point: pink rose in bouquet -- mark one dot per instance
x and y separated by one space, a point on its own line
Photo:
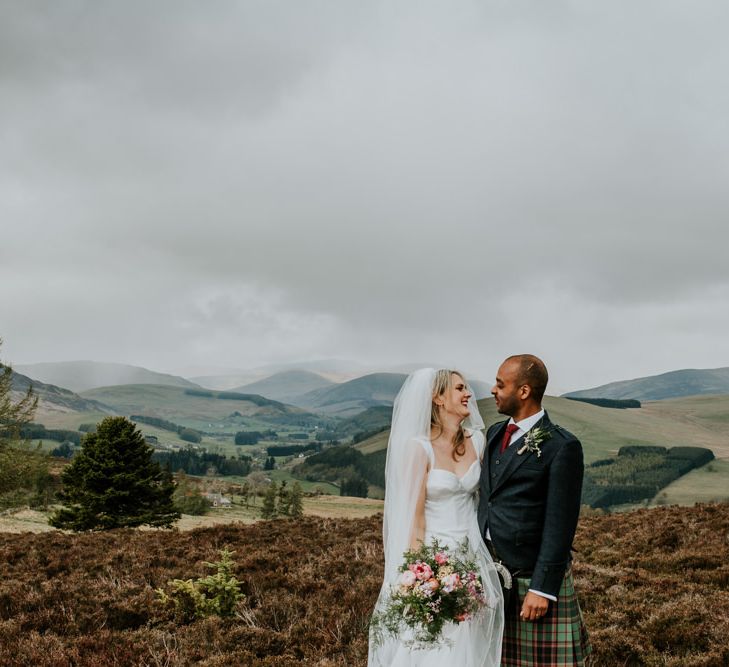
421 570
441 558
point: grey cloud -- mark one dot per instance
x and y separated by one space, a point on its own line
263 180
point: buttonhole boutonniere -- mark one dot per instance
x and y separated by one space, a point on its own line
533 439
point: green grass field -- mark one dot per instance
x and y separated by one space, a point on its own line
706 484
279 475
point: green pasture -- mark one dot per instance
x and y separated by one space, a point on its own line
701 421
279 474
706 484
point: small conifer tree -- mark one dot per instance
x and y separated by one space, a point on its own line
284 499
268 510
113 482
296 508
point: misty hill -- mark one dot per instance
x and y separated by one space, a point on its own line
55 399
699 421
286 386
332 369
195 407
675 384
370 420
84 375
349 398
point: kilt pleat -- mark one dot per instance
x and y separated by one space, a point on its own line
559 639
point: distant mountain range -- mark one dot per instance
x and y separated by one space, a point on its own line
335 370
319 394
286 386
349 398
675 384
81 376
56 399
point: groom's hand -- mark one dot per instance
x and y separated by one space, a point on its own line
534 607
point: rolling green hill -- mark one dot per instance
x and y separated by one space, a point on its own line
81 376
286 386
676 384
372 419
203 412
701 421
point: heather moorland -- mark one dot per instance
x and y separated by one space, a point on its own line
654 586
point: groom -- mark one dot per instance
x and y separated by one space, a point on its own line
531 481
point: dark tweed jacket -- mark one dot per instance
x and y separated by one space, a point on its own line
531 504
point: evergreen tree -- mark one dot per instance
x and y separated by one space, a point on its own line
355 485
284 499
270 463
113 482
245 491
13 416
24 477
296 508
268 510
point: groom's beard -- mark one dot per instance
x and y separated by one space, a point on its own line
507 405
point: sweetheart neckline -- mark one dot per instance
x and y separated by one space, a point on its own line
450 472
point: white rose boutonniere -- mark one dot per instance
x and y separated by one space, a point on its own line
533 439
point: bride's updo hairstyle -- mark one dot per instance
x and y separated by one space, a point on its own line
443 382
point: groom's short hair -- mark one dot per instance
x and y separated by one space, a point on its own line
533 372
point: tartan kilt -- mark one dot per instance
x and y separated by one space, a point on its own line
558 639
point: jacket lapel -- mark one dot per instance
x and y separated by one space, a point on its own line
490 444
515 460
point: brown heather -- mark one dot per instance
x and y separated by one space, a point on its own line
654 586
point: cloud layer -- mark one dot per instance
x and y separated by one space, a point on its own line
243 183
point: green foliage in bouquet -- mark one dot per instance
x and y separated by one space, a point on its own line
215 595
436 586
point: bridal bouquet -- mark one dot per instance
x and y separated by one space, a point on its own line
436 586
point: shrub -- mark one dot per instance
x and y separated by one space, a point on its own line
187 497
189 435
215 595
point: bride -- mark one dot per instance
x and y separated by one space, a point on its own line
432 476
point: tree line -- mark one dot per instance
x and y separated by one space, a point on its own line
638 473
195 462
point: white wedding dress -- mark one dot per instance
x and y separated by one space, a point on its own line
450 517
451 506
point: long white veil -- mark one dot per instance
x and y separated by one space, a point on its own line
406 469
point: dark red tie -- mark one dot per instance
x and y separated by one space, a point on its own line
510 428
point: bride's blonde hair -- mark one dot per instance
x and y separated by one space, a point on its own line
443 382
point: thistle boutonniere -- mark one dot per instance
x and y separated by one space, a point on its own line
533 439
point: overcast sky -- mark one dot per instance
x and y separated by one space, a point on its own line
239 183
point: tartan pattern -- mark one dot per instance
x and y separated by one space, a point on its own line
559 639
